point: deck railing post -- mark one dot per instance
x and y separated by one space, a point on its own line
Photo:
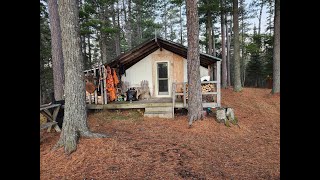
173 97
184 95
95 82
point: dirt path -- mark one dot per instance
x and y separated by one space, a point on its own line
166 149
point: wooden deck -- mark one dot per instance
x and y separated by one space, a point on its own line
154 102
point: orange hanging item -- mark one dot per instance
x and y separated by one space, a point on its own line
115 77
110 85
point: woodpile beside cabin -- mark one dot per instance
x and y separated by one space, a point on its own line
153 76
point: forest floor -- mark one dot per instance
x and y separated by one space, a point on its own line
152 148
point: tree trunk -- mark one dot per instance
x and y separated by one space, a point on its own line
213 42
228 55
193 68
165 21
116 36
237 79
243 65
223 44
75 114
181 39
102 39
89 52
276 49
56 50
129 31
139 22
209 22
260 16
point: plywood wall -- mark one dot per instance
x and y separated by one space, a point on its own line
146 69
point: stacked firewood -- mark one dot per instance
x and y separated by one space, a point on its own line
205 88
208 88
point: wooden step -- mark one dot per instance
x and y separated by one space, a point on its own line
164 108
159 114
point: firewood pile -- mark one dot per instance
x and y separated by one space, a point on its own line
205 88
208 87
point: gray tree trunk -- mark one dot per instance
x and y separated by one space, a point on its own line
193 68
209 31
228 55
75 114
213 42
129 31
181 38
237 79
102 39
116 35
223 44
56 50
260 16
89 52
276 49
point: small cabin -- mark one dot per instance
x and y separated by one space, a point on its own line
163 65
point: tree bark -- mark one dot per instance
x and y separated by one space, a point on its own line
75 114
209 31
237 79
193 68
228 55
89 52
213 42
181 39
223 44
129 31
116 35
260 16
276 49
102 39
56 50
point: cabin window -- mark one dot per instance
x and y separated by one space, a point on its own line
162 78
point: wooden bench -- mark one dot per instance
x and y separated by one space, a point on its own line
51 117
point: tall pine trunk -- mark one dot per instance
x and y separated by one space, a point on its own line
181 39
236 65
56 50
89 52
102 37
223 44
260 16
129 28
213 42
228 53
75 114
209 31
276 49
193 68
116 36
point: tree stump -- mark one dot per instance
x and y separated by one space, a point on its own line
221 115
226 115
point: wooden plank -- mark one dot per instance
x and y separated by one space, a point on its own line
49 106
104 85
89 98
219 83
95 91
184 95
206 82
54 118
127 105
101 85
173 97
203 93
